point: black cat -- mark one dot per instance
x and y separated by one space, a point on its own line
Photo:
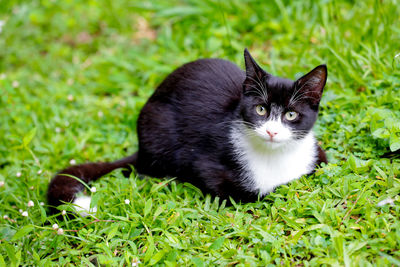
228 132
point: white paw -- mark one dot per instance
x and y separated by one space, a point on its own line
82 206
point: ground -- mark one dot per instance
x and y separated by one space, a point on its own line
75 74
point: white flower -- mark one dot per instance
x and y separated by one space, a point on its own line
1 183
63 212
58 130
41 203
15 84
60 231
100 114
30 203
39 172
20 210
135 262
127 201
55 226
385 201
93 189
70 97
3 76
18 174
5 217
72 162
2 22
25 214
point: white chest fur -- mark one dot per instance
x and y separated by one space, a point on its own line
265 169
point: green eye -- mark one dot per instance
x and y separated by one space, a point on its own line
291 115
260 109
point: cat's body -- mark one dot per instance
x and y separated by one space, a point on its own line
222 129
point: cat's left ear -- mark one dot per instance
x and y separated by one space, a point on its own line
312 84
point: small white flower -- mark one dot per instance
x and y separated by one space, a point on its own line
100 114
127 201
18 174
93 189
2 22
135 262
32 187
1 183
58 130
5 217
25 214
55 226
3 76
39 172
30 203
70 97
60 231
63 212
72 162
15 84
41 203
385 201
20 210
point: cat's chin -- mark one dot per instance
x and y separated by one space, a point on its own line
274 145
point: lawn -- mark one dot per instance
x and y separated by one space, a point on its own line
75 74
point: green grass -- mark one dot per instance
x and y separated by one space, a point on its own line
75 74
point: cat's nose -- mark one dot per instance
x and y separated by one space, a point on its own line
271 134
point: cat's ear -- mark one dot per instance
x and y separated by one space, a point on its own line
254 73
312 84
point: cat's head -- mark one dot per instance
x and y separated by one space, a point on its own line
278 111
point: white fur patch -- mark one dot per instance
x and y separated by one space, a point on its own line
267 164
82 206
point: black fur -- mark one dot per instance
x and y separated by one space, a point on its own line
184 128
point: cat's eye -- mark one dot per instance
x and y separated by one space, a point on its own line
261 110
291 115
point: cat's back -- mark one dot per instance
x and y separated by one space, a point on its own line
213 81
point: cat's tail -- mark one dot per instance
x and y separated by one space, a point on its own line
64 186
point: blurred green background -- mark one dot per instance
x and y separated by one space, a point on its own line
75 74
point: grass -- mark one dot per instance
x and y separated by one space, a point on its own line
75 74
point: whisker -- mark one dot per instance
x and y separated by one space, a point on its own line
295 97
237 122
260 92
261 85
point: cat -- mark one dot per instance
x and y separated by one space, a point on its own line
231 133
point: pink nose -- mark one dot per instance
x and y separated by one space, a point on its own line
271 134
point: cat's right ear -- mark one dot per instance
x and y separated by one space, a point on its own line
255 75
252 68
